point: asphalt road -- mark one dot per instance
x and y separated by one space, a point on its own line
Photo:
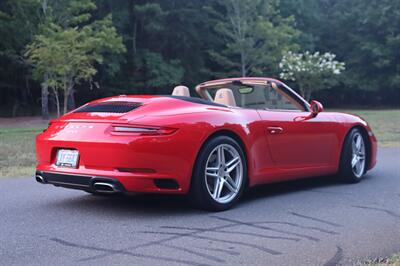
312 222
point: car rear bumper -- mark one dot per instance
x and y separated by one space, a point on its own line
115 184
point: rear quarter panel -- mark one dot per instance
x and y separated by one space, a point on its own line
198 126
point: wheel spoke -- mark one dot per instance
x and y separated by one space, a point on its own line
221 155
233 166
212 171
218 188
234 160
358 142
230 184
353 146
354 161
358 166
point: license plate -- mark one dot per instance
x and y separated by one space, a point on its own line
67 158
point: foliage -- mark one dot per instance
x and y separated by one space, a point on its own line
18 24
311 71
190 41
371 41
364 35
255 35
67 54
157 72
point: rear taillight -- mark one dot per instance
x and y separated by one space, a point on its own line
141 130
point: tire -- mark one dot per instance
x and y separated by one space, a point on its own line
353 161
219 176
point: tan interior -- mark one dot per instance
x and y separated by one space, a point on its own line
181 91
225 96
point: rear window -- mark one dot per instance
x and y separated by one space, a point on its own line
109 107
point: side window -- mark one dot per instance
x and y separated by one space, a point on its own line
266 97
276 99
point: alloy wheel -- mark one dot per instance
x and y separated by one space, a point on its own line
358 155
224 173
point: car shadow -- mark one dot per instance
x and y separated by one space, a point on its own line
169 205
287 187
128 205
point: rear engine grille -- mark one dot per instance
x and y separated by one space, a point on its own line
109 107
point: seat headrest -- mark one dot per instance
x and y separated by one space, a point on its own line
225 96
181 91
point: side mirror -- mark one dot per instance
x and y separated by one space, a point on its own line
316 108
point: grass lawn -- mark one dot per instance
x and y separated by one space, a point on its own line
384 123
17 143
392 261
17 151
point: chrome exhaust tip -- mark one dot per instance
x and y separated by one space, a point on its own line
40 179
103 187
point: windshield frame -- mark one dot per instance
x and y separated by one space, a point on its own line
201 89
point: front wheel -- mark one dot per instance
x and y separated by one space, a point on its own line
353 162
220 174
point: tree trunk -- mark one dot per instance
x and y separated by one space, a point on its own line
134 39
45 87
68 94
57 101
15 107
71 100
45 98
44 7
65 106
28 93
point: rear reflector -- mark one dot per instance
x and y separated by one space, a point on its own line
109 107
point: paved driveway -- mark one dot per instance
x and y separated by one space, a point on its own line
312 222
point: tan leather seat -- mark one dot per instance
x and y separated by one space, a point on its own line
181 91
225 96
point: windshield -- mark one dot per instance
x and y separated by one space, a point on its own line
269 95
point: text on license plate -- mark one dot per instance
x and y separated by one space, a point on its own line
67 158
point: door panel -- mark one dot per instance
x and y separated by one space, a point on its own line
297 143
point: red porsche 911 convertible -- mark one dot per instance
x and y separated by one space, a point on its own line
241 132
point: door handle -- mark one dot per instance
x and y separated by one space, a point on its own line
275 130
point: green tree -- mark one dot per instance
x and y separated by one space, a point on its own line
18 25
154 70
67 54
364 34
255 36
369 36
